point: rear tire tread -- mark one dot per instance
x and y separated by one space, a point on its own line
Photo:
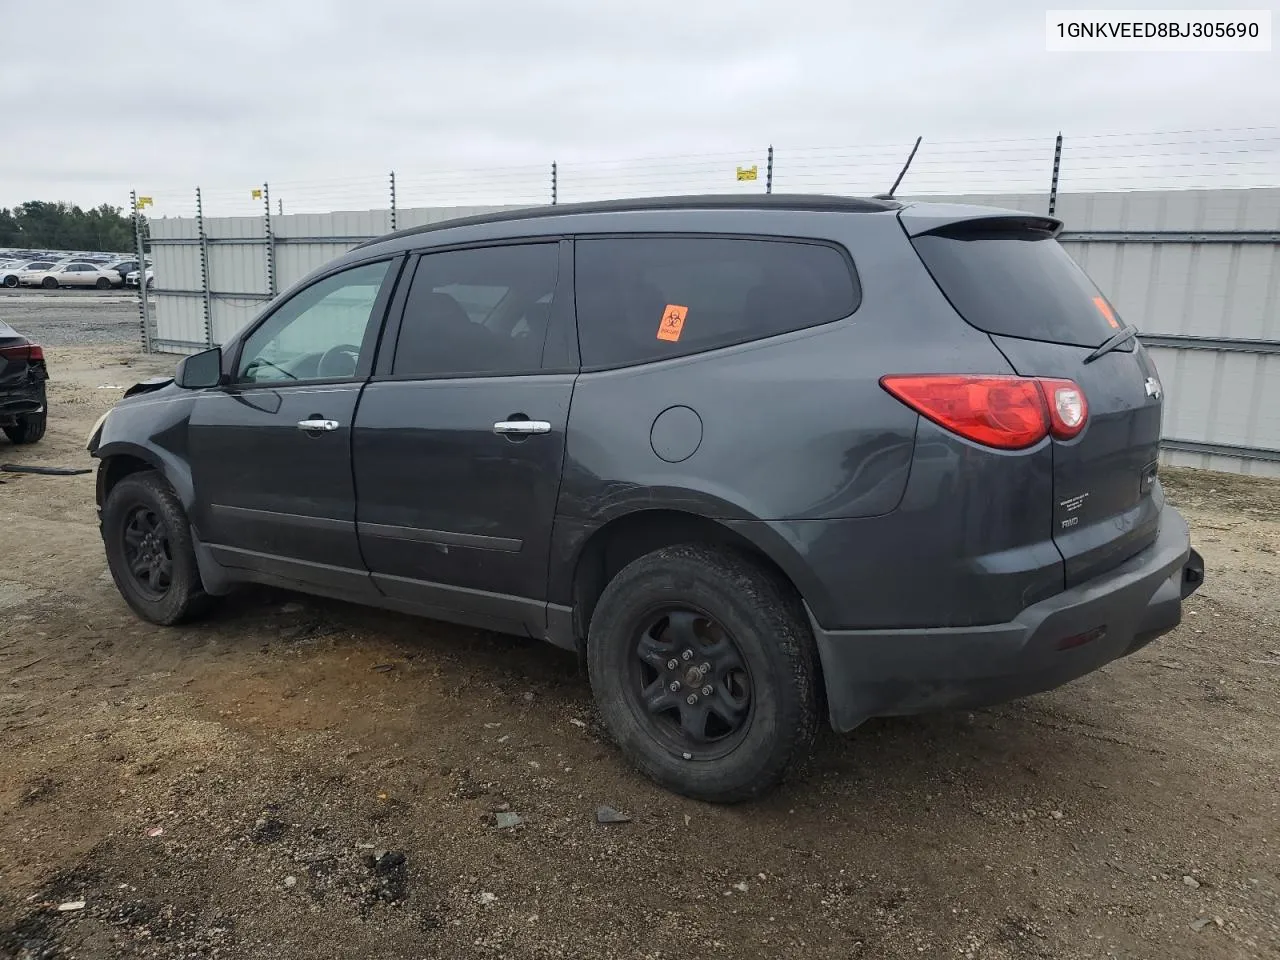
29 428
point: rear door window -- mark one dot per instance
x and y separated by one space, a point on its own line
478 312
641 299
1016 281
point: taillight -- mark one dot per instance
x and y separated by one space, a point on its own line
1009 413
1068 409
26 351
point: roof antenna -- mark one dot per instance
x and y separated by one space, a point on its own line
902 173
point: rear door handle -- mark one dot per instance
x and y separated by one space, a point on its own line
318 425
521 428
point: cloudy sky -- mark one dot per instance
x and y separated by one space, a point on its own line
474 98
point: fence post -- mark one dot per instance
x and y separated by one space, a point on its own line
393 200
144 312
1057 164
768 172
204 270
555 186
271 240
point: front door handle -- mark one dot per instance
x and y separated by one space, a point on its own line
521 428
326 425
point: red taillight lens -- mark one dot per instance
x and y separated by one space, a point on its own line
1009 413
26 351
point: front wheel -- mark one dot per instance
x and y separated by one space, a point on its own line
49 283
705 672
11 281
149 550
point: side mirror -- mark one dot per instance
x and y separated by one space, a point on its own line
202 369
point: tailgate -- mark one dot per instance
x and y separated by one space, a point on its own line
1009 277
1105 502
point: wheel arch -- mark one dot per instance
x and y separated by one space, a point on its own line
625 538
119 460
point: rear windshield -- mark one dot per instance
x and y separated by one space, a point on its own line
1018 282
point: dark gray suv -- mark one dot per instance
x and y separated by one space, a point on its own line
756 459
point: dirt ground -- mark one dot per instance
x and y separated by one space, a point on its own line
303 778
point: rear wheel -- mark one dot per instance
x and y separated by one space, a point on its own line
30 427
103 283
705 672
11 281
149 550
49 283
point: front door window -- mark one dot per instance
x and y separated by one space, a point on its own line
318 334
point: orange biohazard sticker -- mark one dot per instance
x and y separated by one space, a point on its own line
1104 308
672 322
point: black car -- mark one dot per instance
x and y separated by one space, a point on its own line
23 405
124 268
754 459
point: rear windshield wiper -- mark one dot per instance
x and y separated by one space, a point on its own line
1125 333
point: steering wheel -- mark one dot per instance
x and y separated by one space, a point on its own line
339 361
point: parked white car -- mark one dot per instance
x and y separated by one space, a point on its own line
13 275
77 273
132 279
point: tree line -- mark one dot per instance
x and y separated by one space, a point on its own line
39 225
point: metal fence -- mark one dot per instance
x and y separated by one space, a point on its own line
1196 270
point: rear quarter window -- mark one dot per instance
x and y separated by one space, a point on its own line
1017 282
641 299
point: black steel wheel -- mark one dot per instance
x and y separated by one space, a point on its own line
149 550
692 681
704 669
146 550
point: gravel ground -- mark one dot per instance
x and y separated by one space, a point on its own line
298 777
72 317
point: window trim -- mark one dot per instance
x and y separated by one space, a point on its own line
835 245
368 347
561 312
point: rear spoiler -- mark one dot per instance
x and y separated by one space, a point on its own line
921 218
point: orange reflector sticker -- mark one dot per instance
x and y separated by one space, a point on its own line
1104 308
672 322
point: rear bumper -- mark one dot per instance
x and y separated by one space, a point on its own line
873 673
18 400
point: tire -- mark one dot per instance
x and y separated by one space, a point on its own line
49 283
103 283
11 281
30 426
141 504
713 595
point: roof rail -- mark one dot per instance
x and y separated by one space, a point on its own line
715 201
